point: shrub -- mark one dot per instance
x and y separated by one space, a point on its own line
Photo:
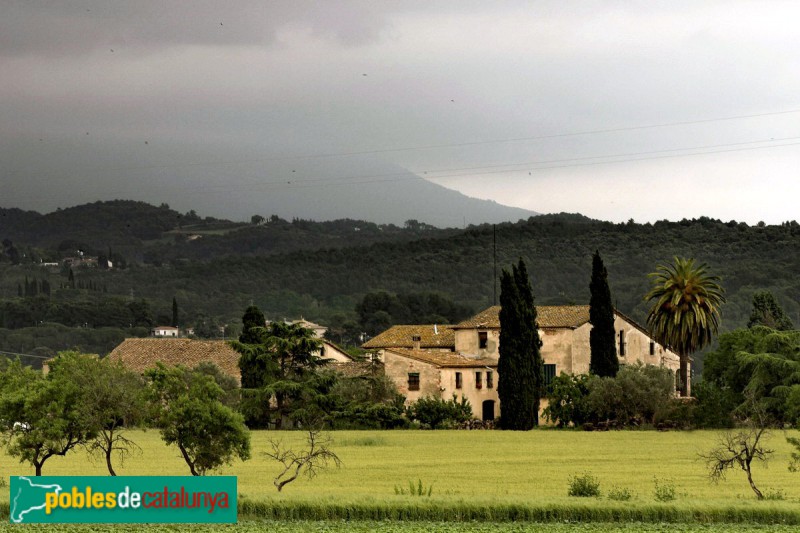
585 486
637 393
567 400
664 490
775 495
435 413
620 494
714 406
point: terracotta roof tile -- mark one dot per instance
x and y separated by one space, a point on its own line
356 369
547 316
143 354
431 336
444 359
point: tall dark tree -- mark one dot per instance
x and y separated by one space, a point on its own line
253 319
253 363
174 322
520 369
602 337
279 382
767 312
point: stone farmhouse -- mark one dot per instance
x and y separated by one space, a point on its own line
142 354
461 360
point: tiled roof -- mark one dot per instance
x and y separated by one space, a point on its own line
444 359
547 316
356 369
401 337
143 354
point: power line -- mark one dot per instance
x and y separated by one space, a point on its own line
25 355
530 166
446 145
525 166
432 174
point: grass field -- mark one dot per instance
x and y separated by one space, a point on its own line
487 476
253 526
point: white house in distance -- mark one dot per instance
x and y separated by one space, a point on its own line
424 361
165 331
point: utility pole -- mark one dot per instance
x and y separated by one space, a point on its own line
494 258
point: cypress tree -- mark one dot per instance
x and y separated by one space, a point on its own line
520 369
602 337
174 313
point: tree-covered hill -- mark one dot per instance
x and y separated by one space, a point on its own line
325 284
137 232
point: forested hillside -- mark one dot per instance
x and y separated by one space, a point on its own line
137 232
326 284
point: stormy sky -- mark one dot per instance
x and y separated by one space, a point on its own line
617 110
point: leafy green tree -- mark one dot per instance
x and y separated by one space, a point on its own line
368 401
602 337
281 368
685 310
436 413
190 414
637 393
113 397
42 416
767 312
760 363
256 364
520 369
567 400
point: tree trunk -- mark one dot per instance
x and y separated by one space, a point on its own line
753 485
108 462
188 460
38 468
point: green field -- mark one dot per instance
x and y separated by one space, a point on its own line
485 476
337 526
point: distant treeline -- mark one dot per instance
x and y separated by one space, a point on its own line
230 268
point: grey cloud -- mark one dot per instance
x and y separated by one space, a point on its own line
65 28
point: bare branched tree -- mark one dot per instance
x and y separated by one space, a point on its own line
740 448
308 462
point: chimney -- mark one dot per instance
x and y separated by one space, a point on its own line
416 339
435 330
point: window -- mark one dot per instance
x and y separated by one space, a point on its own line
413 381
489 379
459 381
549 376
622 343
483 338
652 347
478 380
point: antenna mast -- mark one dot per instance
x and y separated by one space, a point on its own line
494 257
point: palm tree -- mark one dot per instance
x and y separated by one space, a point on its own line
685 312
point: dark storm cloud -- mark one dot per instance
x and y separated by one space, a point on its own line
223 92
